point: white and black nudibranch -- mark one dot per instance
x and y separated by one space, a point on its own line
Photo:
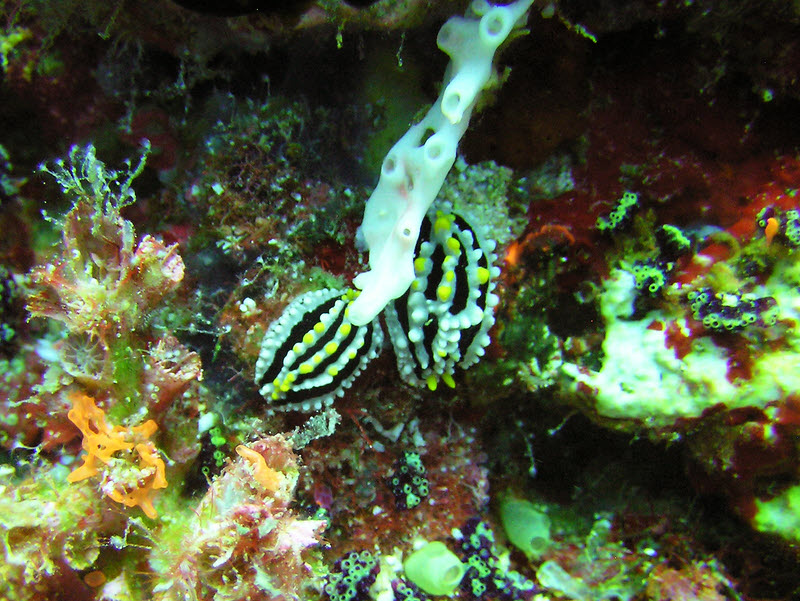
443 321
312 352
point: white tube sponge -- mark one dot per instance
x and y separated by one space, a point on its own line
471 45
415 168
411 176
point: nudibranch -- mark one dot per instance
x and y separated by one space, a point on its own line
443 321
312 352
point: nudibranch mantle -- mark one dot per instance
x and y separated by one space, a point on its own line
443 321
312 352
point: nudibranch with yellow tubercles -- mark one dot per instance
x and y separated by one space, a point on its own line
443 321
312 352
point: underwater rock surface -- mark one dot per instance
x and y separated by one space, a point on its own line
607 285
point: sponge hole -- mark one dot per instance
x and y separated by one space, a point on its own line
448 38
434 150
494 24
451 103
426 135
389 165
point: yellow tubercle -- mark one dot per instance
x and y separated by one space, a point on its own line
432 382
444 292
453 245
483 275
442 224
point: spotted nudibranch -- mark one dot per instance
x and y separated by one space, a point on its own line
443 321
312 352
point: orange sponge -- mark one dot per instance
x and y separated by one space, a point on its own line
102 441
267 477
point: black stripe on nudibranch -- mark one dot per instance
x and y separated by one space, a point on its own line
443 321
312 352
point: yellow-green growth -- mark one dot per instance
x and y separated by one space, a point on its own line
780 515
434 569
526 527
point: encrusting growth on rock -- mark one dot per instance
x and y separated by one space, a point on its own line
123 482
